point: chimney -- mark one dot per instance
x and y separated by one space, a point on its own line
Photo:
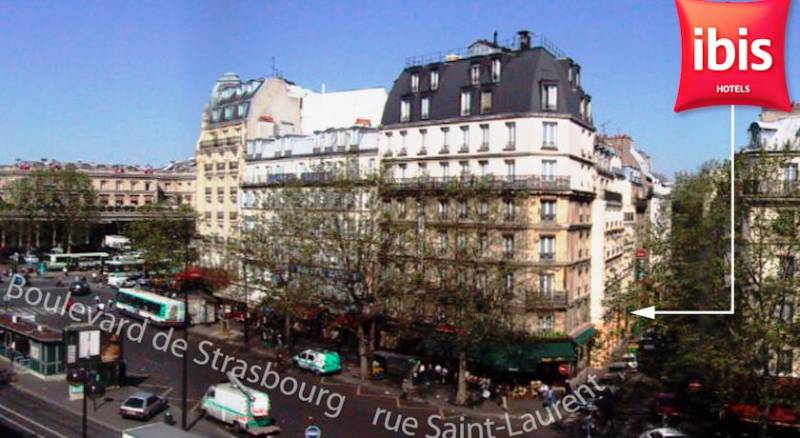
524 39
494 38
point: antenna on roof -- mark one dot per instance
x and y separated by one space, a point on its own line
603 126
274 72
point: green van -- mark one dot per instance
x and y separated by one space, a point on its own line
319 362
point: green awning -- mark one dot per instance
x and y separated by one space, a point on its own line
524 357
584 336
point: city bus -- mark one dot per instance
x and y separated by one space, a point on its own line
76 261
162 311
118 271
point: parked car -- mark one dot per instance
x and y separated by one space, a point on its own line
142 406
618 367
631 361
80 287
319 362
664 432
31 259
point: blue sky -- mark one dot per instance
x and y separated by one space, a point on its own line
126 81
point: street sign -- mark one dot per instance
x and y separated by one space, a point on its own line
313 432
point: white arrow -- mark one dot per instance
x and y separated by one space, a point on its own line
651 312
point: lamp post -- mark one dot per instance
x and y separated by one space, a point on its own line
246 313
186 324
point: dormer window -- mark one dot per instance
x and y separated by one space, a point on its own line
414 82
466 103
405 110
549 97
577 77
475 74
496 70
434 79
425 108
486 102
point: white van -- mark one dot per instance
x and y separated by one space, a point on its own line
246 409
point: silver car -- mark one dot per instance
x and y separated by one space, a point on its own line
142 406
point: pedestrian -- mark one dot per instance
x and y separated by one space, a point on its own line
437 370
444 375
94 277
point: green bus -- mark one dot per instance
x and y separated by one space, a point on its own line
162 311
76 261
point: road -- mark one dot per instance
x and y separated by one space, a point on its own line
35 416
301 399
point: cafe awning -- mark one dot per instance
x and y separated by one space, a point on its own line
525 357
583 334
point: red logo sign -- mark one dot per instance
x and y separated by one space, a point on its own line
733 54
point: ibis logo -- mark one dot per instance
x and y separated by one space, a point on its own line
733 54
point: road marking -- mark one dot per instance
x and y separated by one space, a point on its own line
5 408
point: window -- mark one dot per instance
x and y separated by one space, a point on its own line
434 79
228 112
402 167
508 209
787 267
483 164
464 139
425 108
445 166
484 138
444 208
475 74
414 82
405 110
466 103
547 248
546 323
486 102
786 312
549 97
508 246
511 136
510 169
480 281
483 209
546 282
423 169
422 145
401 208
483 244
442 242
509 283
463 209
785 362
445 148
548 170
496 66
548 211
464 165
461 241
549 135
242 109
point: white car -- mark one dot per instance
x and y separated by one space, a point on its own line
664 432
31 259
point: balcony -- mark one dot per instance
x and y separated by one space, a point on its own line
536 300
422 151
547 257
402 153
444 150
484 147
510 147
489 182
464 149
782 188
548 218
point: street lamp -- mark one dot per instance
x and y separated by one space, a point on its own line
186 324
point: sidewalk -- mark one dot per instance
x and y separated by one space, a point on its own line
55 393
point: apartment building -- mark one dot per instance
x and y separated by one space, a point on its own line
242 111
305 159
514 120
775 136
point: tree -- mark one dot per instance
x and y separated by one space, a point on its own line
164 235
325 240
62 198
735 357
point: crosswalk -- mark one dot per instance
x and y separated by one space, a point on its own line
25 311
